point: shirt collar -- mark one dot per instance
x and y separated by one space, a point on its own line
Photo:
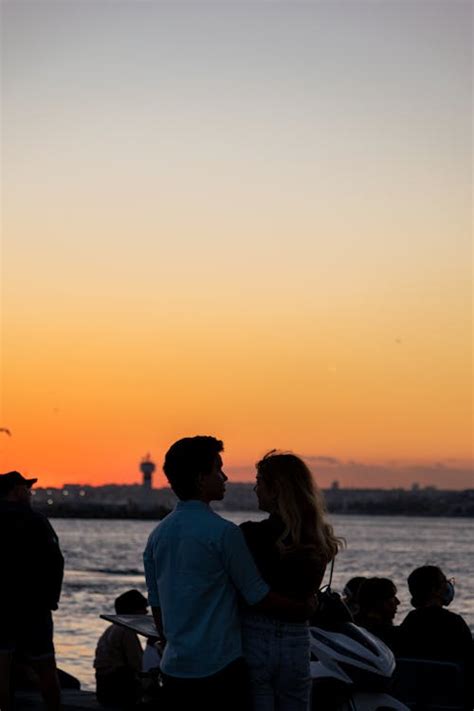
192 504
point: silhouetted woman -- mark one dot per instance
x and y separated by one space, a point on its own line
378 603
291 549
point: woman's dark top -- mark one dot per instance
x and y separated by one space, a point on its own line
296 574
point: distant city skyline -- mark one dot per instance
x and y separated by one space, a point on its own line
139 501
251 220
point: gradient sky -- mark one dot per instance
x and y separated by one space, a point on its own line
247 219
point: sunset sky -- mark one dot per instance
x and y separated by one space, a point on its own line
246 219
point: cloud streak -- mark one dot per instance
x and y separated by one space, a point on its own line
452 474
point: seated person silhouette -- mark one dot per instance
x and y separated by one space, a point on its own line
350 594
432 632
378 604
118 656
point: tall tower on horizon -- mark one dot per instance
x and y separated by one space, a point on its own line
147 467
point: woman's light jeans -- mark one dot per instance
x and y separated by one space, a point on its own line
278 655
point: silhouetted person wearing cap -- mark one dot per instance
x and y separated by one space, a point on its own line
31 568
118 656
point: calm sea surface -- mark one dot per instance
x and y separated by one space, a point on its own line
104 558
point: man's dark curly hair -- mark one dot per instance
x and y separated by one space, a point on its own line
186 459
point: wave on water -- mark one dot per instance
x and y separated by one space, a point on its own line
114 571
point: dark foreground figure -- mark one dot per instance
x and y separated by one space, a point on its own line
31 571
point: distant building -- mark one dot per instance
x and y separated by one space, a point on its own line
147 467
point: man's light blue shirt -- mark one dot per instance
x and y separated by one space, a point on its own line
196 565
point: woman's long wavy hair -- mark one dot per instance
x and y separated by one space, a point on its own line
300 504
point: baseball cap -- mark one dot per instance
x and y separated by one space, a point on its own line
9 480
130 601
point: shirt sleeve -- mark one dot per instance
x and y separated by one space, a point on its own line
150 574
241 567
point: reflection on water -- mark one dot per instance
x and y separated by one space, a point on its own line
103 559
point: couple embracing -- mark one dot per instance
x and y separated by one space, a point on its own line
231 604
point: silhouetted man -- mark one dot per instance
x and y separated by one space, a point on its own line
31 568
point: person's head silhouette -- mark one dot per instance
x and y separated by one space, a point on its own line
131 602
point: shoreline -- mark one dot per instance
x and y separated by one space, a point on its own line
153 516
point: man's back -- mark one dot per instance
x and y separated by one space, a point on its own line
196 563
118 648
31 559
435 633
